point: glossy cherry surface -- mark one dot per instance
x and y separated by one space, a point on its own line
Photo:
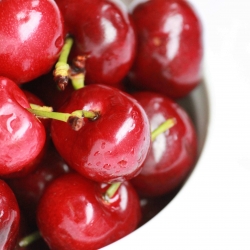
172 154
31 38
110 148
9 217
73 213
22 135
170 49
103 31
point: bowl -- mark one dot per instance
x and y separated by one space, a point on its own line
211 211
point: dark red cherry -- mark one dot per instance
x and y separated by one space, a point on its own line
31 38
172 154
22 135
170 49
9 217
104 33
113 146
73 213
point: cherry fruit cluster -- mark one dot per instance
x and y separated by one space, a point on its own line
93 142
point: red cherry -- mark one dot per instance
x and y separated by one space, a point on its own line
104 33
9 217
29 189
170 49
22 135
172 154
73 213
31 38
110 148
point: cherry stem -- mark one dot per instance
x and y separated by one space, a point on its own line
169 123
74 118
26 241
61 72
77 80
112 189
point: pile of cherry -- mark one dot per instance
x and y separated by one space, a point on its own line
93 142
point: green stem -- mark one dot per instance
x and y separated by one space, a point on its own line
26 241
38 107
75 119
169 123
112 189
77 80
61 72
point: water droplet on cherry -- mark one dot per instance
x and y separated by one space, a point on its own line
122 163
96 153
107 166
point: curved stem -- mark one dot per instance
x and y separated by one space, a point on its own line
61 72
169 123
26 241
112 189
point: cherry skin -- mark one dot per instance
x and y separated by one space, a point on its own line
172 154
10 217
170 49
31 38
22 135
29 189
73 213
110 148
103 32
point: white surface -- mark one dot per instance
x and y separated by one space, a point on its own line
212 211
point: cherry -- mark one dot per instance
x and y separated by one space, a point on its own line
22 135
172 154
32 35
103 32
29 189
74 213
10 217
170 50
113 146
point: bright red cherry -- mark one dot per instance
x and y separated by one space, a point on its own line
31 38
114 145
22 135
9 217
104 33
170 49
73 213
172 154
